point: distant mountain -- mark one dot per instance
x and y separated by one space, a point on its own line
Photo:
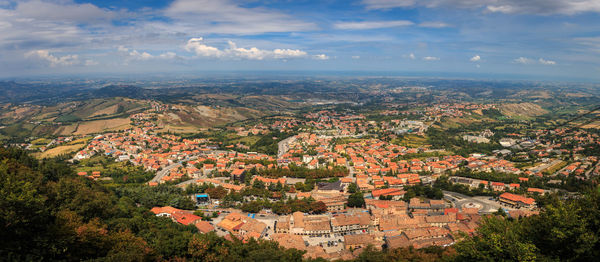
128 91
12 92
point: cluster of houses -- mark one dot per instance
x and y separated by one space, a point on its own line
183 217
378 168
383 223
497 186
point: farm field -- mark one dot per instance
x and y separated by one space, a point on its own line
98 126
59 150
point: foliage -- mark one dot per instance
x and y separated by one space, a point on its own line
564 231
356 200
444 183
303 172
210 247
51 214
352 188
161 195
422 190
449 139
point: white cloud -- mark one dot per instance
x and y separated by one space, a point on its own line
371 24
410 56
355 57
431 58
167 55
63 11
228 17
546 62
434 24
524 60
140 56
543 7
387 4
53 61
539 7
321 57
475 58
197 46
132 54
90 62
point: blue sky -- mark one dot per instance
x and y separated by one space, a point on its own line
542 39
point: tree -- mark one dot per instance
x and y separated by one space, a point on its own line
497 240
500 212
352 188
258 184
251 207
318 207
216 192
356 200
567 230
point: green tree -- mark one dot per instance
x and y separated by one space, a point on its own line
356 200
497 240
352 188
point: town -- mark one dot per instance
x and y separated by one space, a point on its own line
339 181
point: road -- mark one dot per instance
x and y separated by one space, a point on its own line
560 170
283 146
587 173
187 182
163 172
459 200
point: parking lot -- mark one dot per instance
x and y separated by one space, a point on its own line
330 244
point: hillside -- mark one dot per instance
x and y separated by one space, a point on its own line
522 109
99 115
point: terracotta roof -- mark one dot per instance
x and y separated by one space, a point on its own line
204 226
518 198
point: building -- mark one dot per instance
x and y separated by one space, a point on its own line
333 187
309 225
238 174
394 193
334 204
516 200
345 223
203 226
360 241
434 207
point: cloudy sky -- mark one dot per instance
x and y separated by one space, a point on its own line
546 39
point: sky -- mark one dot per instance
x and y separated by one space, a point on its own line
541 39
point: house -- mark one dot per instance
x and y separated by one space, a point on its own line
336 203
253 227
203 226
232 222
309 225
283 225
533 190
238 174
359 241
350 222
441 220
516 200
498 186
394 193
